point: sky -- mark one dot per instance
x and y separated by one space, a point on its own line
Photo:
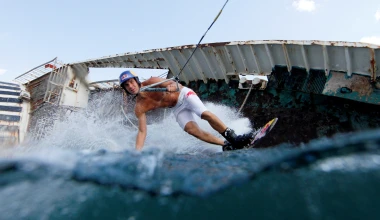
34 32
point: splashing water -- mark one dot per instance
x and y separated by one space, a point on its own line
102 126
85 167
98 128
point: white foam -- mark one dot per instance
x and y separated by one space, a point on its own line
102 127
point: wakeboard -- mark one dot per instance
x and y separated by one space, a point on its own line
262 132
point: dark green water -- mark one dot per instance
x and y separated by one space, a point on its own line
335 178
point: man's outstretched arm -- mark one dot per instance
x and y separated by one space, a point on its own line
141 134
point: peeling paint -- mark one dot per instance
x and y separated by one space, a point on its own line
302 116
222 60
361 87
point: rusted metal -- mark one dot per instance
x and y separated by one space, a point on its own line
288 63
305 60
255 59
373 65
220 62
360 87
37 89
38 71
269 54
195 64
326 60
227 46
188 68
209 65
105 85
216 44
225 60
348 61
228 55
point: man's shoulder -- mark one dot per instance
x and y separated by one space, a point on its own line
151 80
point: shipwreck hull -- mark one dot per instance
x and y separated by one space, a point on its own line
302 116
315 88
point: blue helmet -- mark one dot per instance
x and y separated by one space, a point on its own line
125 76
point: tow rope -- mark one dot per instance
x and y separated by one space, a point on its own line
149 88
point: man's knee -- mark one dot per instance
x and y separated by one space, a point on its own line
207 115
189 127
192 128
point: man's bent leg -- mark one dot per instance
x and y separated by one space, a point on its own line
192 128
237 141
214 121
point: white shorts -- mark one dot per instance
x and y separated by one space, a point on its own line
188 103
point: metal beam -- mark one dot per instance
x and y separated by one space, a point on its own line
287 59
326 60
194 62
230 58
221 65
348 61
306 62
179 66
208 62
184 59
255 59
269 54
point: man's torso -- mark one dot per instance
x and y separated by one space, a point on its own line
147 101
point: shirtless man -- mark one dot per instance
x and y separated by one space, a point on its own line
184 102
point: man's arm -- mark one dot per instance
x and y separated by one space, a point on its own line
141 135
170 85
